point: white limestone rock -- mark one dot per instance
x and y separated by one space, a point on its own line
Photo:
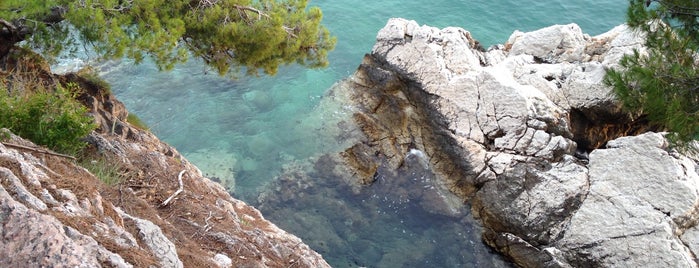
558 43
531 197
153 237
509 110
638 194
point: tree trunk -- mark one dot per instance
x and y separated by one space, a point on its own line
10 35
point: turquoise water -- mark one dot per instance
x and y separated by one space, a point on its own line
244 132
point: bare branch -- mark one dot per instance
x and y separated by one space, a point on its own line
290 31
169 199
10 27
38 150
260 14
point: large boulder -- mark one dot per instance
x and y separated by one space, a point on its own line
642 198
558 43
520 130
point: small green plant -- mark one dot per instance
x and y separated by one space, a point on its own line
137 122
92 77
50 118
103 169
5 134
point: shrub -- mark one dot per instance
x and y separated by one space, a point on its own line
104 169
50 118
135 121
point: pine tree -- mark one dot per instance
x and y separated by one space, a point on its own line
229 35
661 81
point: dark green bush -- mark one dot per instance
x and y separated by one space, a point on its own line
662 82
50 118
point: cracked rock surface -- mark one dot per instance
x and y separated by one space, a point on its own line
527 132
641 197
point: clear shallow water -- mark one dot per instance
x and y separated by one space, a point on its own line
252 128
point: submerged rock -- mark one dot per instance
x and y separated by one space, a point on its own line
528 133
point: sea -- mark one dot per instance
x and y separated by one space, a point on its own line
247 132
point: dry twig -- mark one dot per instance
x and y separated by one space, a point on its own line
179 178
38 150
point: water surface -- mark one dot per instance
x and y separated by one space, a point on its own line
251 133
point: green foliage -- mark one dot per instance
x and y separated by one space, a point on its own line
47 36
662 81
95 80
5 134
54 119
105 170
136 122
226 34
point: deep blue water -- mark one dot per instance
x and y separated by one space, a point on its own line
246 131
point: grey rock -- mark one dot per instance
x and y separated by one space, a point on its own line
16 187
163 249
30 238
558 43
521 199
638 193
524 117
691 239
223 261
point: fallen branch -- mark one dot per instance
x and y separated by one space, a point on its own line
208 226
10 27
38 150
179 178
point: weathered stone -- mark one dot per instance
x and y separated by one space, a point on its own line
15 186
559 43
223 260
637 191
691 239
515 126
152 236
30 238
521 202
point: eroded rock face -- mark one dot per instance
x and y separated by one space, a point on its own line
510 130
54 212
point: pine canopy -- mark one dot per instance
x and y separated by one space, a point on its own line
229 35
661 82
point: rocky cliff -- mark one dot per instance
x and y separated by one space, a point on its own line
528 134
161 212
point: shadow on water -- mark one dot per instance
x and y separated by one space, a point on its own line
403 219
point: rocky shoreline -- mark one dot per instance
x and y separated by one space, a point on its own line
524 132
162 213
529 135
